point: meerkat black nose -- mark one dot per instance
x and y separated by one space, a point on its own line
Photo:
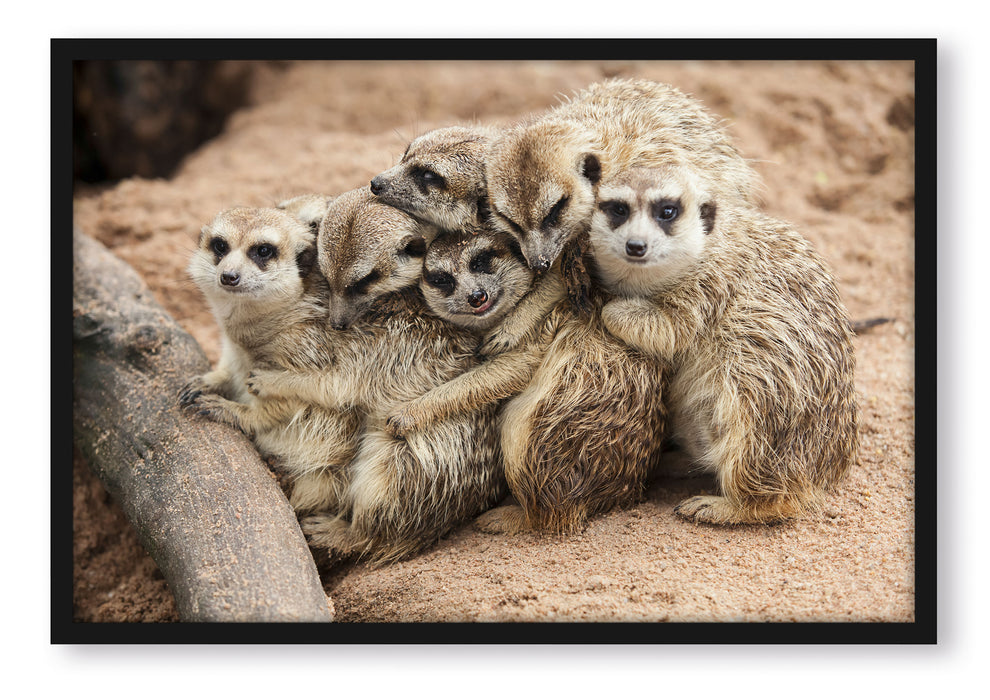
542 264
377 185
230 279
636 249
339 325
477 298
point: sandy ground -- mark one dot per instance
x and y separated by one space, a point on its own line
834 145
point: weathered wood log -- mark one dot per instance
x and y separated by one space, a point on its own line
203 502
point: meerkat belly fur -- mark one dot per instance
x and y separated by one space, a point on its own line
256 268
401 494
750 322
543 175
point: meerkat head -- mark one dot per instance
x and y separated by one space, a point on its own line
474 278
308 208
441 178
253 255
650 227
366 250
542 182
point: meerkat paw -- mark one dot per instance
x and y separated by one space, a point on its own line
195 387
332 533
508 520
216 408
402 422
260 382
498 342
636 323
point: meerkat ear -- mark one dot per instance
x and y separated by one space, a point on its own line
305 259
592 168
414 246
484 210
708 216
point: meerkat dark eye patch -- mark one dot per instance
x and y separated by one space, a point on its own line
362 285
516 251
511 224
220 247
262 254
616 211
707 214
664 212
553 216
482 262
441 281
426 178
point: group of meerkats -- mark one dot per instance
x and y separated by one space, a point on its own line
540 310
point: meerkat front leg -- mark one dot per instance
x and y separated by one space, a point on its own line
499 378
319 387
638 323
223 410
523 322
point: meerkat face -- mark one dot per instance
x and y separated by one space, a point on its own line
440 179
542 183
252 254
366 250
474 278
651 226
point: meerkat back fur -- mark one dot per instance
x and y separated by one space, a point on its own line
543 175
752 326
441 177
256 267
401 494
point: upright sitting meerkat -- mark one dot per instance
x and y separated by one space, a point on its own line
441 178
750 322
256 268
401 495
543 175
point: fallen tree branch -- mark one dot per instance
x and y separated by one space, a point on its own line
204 504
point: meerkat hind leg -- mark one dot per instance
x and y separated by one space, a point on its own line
508 520
719 510
332 533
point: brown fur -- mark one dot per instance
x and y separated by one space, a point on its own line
441 178
401 495
260 326
544 174
759 344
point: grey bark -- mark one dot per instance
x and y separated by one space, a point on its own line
203 502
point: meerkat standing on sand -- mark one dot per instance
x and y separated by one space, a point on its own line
750 322
543 175
401 494
256 268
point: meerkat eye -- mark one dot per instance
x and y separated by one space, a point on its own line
362 285
442 281
265 251
219 246
482 262
428 178
616 211
665 211
553 217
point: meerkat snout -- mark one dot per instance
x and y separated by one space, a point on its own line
636 248
229 278
477 298
377 185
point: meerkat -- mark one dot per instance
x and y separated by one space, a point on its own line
474 279
441 178
401 495
256 268
543 175
750 323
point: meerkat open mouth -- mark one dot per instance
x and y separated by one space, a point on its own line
486 307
